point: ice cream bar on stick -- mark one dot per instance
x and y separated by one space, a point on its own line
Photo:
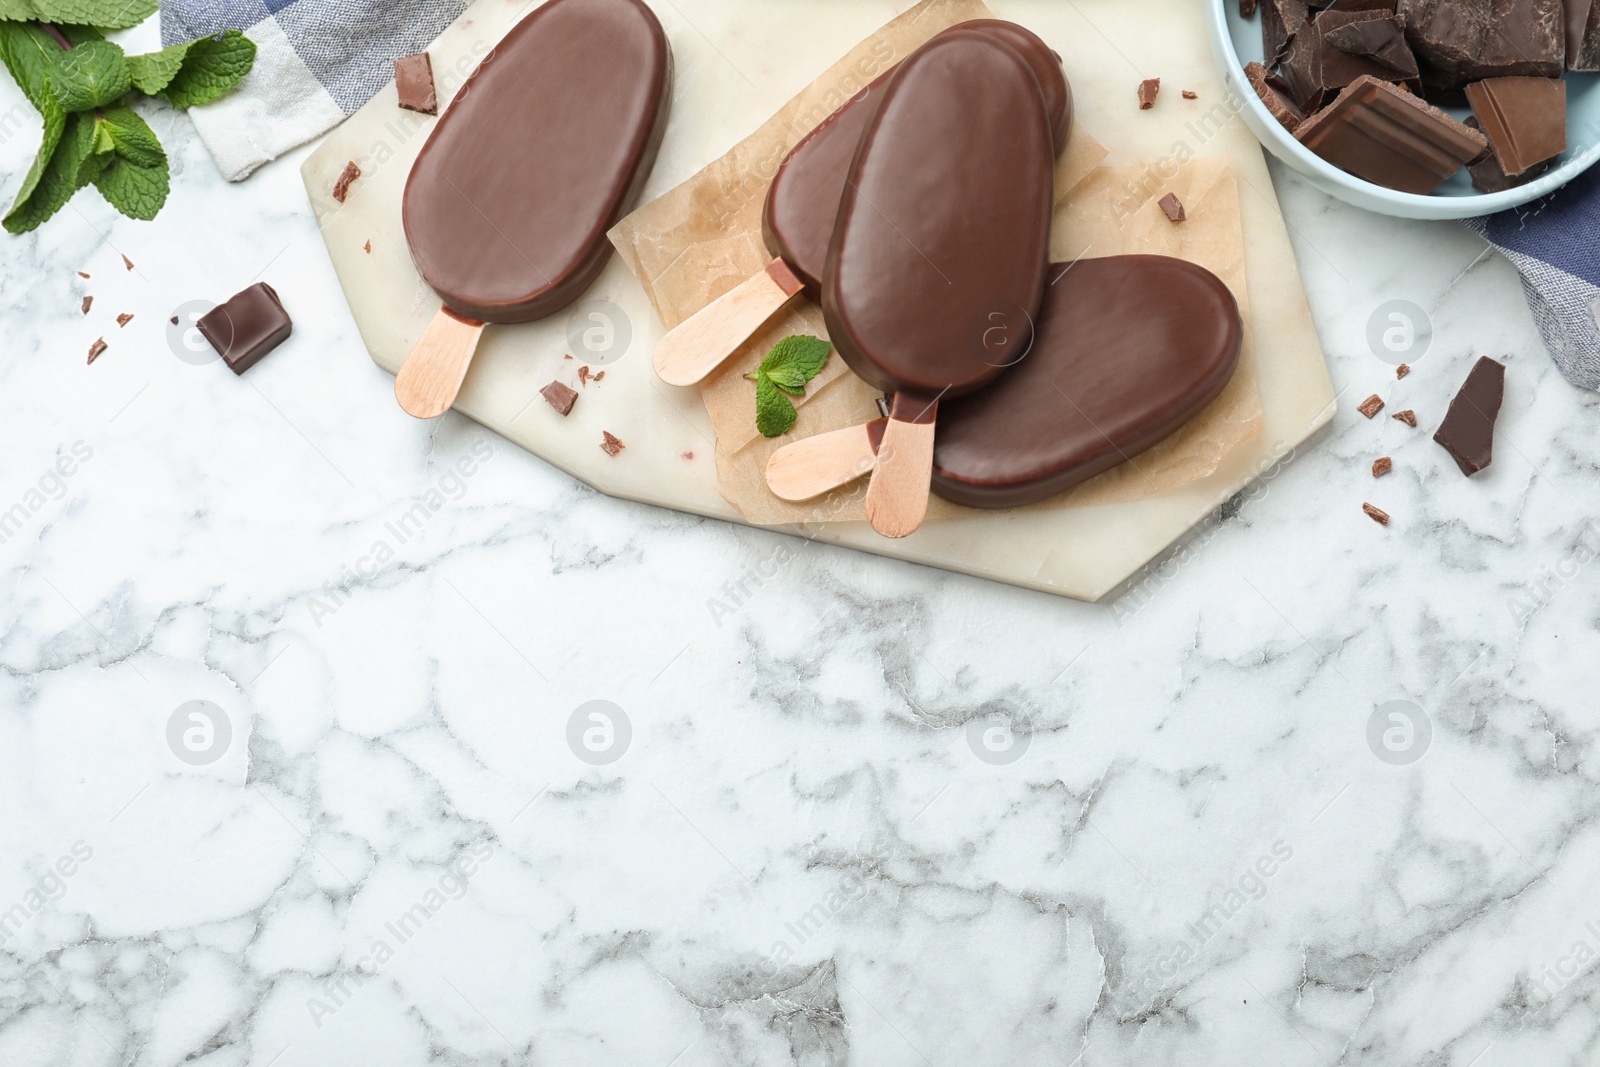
1128 350
940 251
802 205
546 146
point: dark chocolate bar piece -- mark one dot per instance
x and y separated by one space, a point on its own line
1375 36
246 327
1525 119
1386 135
1583 35
1280 21
1469 40
1467 432
413 80
1277 95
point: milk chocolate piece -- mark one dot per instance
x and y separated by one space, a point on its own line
1407 416
544 149
126 262
1381 466
341 187
1376 514
561 397
246 327
413 80
1277 95
1467 432
1402 370
938 259
98 347
1469 40
1525 119
803 200
88 302
610 443
1190 94
1128 350
124 318
1371 405
1149 89
1172 207
1390 137
1489 177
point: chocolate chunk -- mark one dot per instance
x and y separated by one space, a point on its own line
1247 9
1281 20
367 248
1467 432
1173 208
83 274
1371 405
1190 94
561 397
1525 119
1407 416
124 318
610 443
1391 138
1148 89
173 320
98 347
1583 35
1381 466
1376 514
88 302
341 188
1318 71
1402 370
1469 40
1277 95
600 376
127 262
1487 175
246 327
413 80
1380 38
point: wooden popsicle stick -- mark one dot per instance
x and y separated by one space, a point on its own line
811 467
700 344
897 496
432 374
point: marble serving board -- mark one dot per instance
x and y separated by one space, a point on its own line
737 63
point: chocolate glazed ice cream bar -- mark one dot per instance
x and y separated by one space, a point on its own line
546 146
1128 350
802 205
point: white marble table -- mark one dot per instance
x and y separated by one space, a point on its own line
812 844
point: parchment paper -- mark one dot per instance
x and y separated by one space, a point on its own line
702 238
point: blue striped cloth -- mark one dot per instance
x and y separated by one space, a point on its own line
317 62
1555 244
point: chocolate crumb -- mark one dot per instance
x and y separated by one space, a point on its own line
1371 405
173 320
1190 94
124 318
88 302
687 455
1147 93
1407 416
583 375
567 356
561 397
1247 9
1174 208
98 347
83 274
1381 466
611 443
127 262
599 376
367 248
1402 370
1377 515
341 188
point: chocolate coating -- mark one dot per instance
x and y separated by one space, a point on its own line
940 251
803 201
1128 350
545 147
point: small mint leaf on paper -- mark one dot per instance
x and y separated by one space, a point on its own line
790 364
94 74
775 413
788 379
59 178
801 353
211 67
107 14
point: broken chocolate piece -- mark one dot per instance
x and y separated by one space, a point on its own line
1467 432
1371 405
1173 207
1280 21
1277 95
1373 35
1318 70
1487 175
1583 35
341 188
173 320
124 318
1190 94
1469 40
1381 466
367 248
1247 9
246 327
98 347
1148 90
83 274
1381 133
127 262
1407 416
583 375
561 397
88 302
1402 370
413 81
1525 119
600 376
1376 514
610 443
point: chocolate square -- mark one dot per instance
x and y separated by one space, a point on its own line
1470 40
246 327
1467 432
413 80
1525 120
1384 134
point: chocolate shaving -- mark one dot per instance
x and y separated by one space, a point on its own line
1376 514
687 455
367 248
128 262
599 376
1173 208
341 188
88 302
83 274
611 444
1381 466
1147 93
583 375
1277 96
1407 416
1371 405
1402 370
98 347
124 318
173 320
561 397
1190 94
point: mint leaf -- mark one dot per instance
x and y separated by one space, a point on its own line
131 137
107 14
775 413
58 179
93 74
154 71
802 354
28 51
211 67
788 379
55 124
138 192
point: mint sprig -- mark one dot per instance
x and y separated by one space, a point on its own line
787 368
83 85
